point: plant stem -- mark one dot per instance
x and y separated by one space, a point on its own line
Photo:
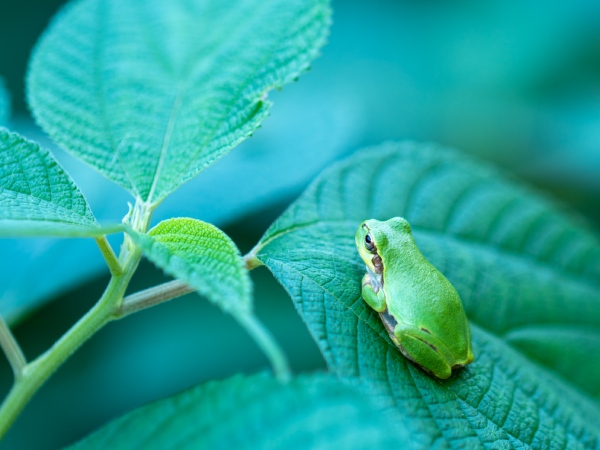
38 371
267 344
109 256
11 348
153 296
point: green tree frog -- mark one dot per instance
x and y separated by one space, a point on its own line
420 309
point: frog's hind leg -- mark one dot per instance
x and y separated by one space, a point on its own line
433 354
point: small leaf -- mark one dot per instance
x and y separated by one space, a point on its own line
254 412
528 274
4 104
36 196
204 257
152 92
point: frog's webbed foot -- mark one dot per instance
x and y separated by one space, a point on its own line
375 300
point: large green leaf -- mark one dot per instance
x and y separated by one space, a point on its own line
152 92
255 412
36 196
528 274
204 257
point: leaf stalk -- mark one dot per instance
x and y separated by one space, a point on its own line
109 256
267 344
152 297
11 348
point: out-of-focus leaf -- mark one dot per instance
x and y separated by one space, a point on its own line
4 104
204 257
37 197
309 138
151 92
255 412
526 271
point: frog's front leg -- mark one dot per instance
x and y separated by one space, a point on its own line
425 350
375 300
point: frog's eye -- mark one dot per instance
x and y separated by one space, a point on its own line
369 244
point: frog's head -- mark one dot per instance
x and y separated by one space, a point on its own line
373 236
369 237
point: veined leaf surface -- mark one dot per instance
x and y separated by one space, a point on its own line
204 257
254 412
528 275
151 92
36 196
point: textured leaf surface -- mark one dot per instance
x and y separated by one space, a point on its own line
152 92
4 104
253 412
204 257
36 196
528 274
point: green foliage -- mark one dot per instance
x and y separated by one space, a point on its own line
204 257
149 94
254 412
4 104
528 274
152 92
37 196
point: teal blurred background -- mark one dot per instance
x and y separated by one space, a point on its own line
513 82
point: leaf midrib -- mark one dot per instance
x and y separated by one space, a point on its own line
98 85
203 145
175 109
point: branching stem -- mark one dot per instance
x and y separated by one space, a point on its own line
11 348
109 256
29 377
34 374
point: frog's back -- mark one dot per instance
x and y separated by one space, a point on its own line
426 300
